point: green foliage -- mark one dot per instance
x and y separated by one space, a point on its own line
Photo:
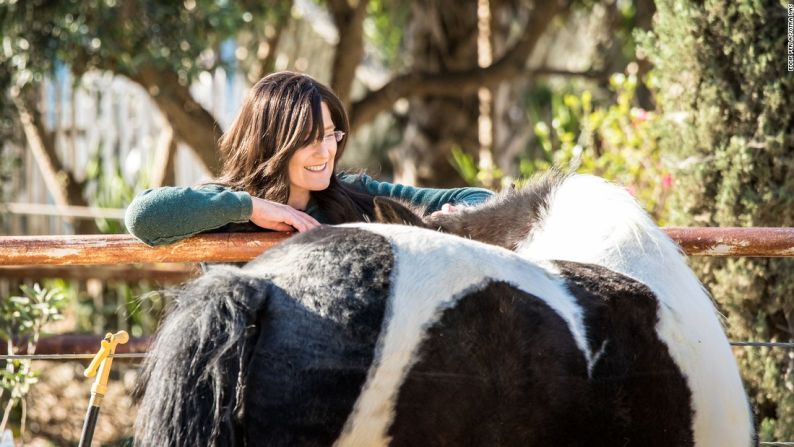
471 173
384 28
722 68
109 189
10 164
122 36
616 140
24 316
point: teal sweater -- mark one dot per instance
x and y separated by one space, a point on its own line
164 215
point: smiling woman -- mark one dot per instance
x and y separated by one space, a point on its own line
279 172
311 166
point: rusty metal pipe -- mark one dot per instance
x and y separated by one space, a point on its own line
240 247
734 241
125 249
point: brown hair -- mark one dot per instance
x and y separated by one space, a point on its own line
281 114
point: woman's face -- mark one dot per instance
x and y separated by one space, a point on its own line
311 167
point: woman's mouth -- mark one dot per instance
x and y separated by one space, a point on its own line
316 168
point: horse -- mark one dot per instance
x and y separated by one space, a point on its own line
378 334
586 219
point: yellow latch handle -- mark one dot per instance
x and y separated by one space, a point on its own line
98 358
102 360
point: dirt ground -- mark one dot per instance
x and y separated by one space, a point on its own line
57 405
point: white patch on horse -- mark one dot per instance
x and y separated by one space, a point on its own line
593 221
595 358
420 293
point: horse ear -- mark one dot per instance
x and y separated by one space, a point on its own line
393 212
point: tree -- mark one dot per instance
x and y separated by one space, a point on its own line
156 44
162 45
722 75
445 77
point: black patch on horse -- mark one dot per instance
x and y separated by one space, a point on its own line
498 368
317 340
502 368
641 392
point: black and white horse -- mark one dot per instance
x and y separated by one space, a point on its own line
371 334
585 219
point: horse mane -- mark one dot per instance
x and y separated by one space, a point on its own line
194 374
395 211
507 218
590 220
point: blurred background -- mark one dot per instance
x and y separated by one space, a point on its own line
689 105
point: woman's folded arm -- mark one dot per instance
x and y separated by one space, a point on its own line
168 214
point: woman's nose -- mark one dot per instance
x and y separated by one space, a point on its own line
324 148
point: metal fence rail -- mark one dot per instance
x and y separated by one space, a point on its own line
125 249
240 247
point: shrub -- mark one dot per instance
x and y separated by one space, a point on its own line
722 67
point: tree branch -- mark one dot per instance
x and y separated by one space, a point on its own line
266 44
548 71
163 166
266 51
510 65
60 182
191 122
349 22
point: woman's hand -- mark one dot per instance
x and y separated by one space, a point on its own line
280 217
448 209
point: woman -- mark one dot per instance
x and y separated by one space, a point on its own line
279 172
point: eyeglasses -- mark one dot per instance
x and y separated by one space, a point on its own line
337 136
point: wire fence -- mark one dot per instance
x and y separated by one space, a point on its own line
142 354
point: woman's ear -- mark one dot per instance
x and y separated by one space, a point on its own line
393 212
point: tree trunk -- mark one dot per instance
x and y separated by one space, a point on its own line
443 83
191 122
61 183
163 166
512 131
442 37
349 22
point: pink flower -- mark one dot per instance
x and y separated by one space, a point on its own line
639 115
667 180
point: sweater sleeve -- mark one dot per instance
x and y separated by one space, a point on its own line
164 215
431 199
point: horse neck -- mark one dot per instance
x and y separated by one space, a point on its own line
506 219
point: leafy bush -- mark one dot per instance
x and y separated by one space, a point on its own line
23 318
616 140
721 66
